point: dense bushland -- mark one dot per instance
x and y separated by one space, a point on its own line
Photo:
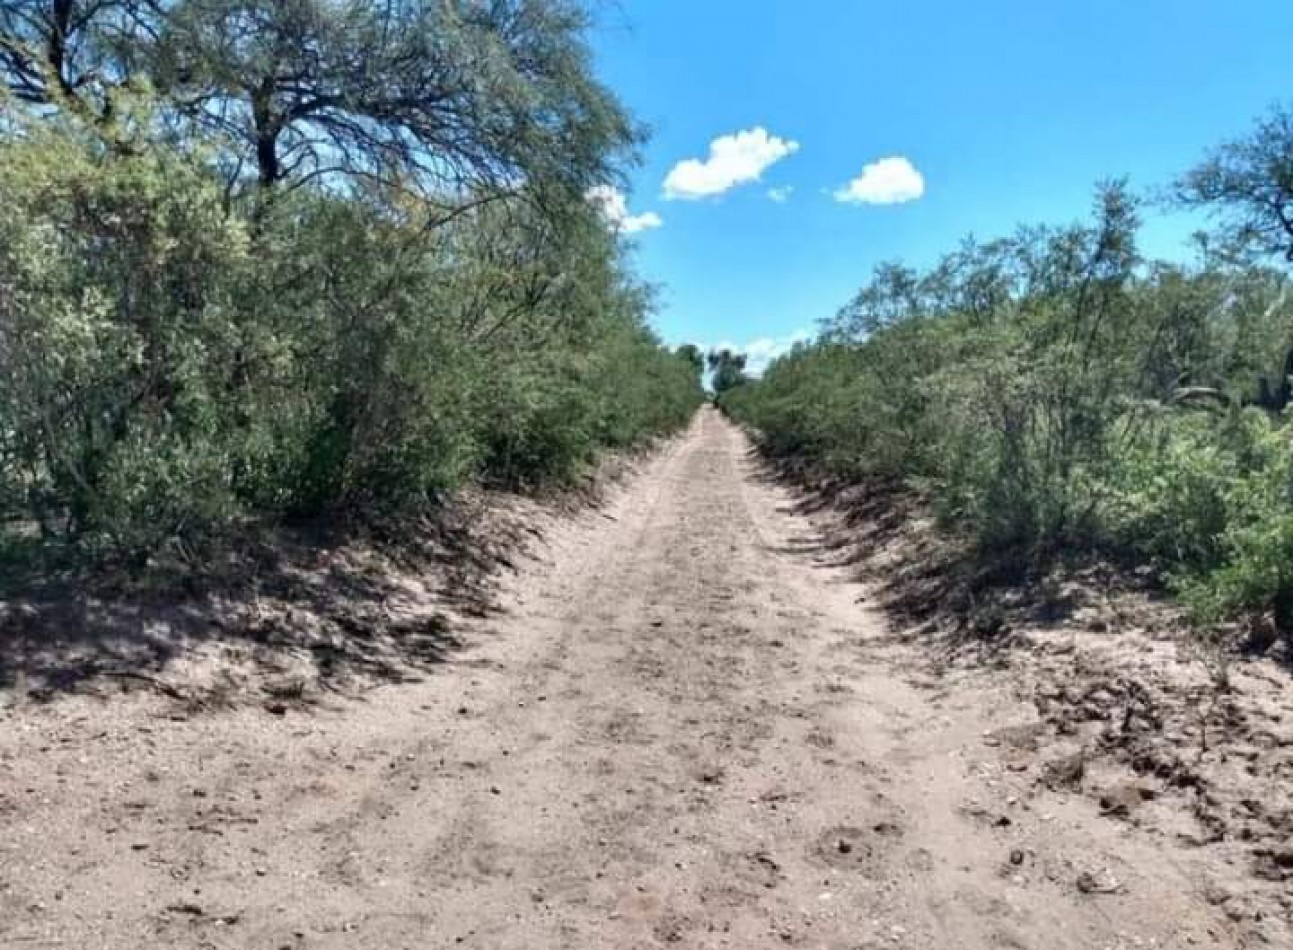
1057 394
263 260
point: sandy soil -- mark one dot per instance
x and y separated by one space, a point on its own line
685 729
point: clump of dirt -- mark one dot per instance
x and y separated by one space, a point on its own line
864 850
1229 753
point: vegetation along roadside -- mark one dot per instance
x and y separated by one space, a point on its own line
1056 396
268 265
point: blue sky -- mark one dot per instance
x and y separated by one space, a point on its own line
1008 111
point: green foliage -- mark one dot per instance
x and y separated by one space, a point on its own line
180 357
440 96
118 320
728 369
1056 395
694 357
1252 568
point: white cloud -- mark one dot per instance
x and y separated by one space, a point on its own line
761 351
889 181
733 160
781 195
647 221
615 208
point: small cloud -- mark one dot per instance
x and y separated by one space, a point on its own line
647 221
761 351
733 160
615 209
781 195
889 181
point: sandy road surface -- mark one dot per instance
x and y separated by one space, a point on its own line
682 731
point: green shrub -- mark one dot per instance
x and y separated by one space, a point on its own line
116 339
1170 492
1252 570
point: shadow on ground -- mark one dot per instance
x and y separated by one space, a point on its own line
284 618
931 584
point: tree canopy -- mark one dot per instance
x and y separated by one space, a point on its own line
1248 184
728 369
460 100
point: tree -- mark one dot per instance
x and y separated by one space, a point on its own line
462 100
1248 183
72 54
692 354
728 369
892 294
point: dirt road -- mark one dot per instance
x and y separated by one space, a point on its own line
683 730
